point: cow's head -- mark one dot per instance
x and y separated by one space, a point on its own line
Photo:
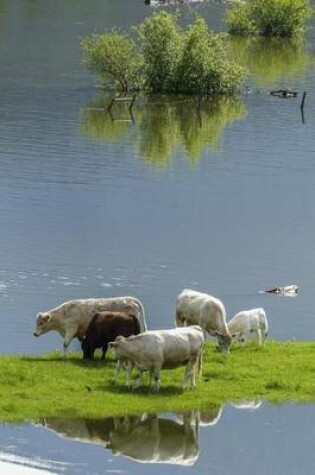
43 324
224 341
115 343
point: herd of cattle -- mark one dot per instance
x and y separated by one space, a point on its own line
120 323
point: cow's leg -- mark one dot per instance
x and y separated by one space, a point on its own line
264 336
104 350
138 380
199 364
129 366
66 342
260 337
117 369
189 374
156 377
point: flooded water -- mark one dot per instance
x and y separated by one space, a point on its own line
217 196
247 438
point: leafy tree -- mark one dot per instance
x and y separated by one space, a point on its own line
280 18
115 59
205 67
161 42
163 58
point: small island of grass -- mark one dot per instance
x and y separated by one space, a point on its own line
33 387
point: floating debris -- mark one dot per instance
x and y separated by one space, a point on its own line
287 289
285 93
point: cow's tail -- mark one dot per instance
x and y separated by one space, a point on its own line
143 325
199 364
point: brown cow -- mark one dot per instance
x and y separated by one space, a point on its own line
105 327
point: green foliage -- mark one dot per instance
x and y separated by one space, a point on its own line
114 58
240 21
204 67
280 18
46 386
164 58
161 42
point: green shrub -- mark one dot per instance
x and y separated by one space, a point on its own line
161 43
204 67
114 58
240 20
164 58
281 18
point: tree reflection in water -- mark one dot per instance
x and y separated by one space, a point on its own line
271 60
164 125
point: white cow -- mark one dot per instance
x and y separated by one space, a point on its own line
71 319
196 308
157 349
249 321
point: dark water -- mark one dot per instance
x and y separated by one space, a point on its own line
244 439
218 198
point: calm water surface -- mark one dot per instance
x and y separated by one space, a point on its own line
219 198
241 439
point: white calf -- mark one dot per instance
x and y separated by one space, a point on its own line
249 321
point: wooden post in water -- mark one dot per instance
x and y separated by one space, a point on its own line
302 107
303 100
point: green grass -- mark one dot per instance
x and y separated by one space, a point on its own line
33 387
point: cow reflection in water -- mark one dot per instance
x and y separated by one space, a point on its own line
252 404
148 438
157 440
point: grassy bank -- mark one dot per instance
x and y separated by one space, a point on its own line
44 386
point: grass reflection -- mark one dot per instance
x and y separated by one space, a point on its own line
271 60
164 125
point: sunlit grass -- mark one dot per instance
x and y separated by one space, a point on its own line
32 387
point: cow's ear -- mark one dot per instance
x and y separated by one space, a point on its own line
46 318
112 344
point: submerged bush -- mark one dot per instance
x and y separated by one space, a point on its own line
204 67
281 18
161 42
164 58
114 58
